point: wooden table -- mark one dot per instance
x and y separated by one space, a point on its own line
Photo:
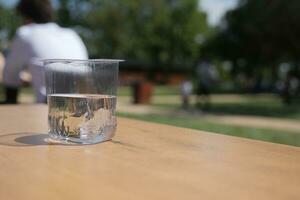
144 161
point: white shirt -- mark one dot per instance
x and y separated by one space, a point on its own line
186 88
40 41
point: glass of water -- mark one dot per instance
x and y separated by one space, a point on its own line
82 100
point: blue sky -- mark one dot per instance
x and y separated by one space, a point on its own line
215 8
8 2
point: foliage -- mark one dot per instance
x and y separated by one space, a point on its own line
259 33
8 23
158 32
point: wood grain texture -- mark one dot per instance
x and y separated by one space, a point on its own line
143 161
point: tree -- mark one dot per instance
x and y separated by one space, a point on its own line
161 33
260 33
8 23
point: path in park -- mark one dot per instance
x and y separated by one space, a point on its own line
125 106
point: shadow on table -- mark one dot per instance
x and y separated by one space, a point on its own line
24 139
35 139
28 139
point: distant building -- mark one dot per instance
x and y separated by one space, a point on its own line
132 71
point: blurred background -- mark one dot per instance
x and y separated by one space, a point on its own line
227 66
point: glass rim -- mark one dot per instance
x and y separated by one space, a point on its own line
103 60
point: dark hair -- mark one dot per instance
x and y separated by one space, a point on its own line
39 11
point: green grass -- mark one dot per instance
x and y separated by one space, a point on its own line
268 107
158 90
166 90
264 109
124 91
275 136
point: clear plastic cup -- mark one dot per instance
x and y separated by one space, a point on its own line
82 98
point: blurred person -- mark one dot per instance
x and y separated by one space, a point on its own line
207 76
38 38
290 88
186 92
